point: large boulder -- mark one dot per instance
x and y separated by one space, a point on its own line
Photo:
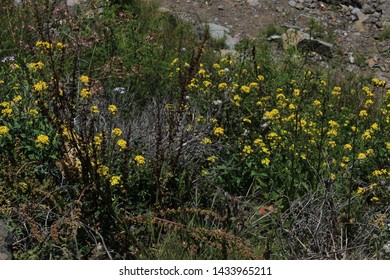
5 242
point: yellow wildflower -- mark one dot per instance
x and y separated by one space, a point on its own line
219 131
271 114
18 98
86 93
33 112
363 113
42 140
247 150
122 144
103 170
361 156
222 86
206 141
117 132
115 180
139 160
7 112
95 109
40 86
98 139
265 161
3 130
245 89
84 79
113 109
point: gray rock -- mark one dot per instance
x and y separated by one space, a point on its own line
253 2
5 242
292 3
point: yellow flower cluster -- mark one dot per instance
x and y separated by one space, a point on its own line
219 131
3 130
84 79
122 144
86 93
40 86
42 140
113 109
35 65
140 160
117 131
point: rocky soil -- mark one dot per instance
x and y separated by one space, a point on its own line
353 28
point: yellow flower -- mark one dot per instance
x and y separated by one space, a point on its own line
98 139
246 120
387 146
377 173
122 144
366 135
40 86
42 140
333 124
332 144
43 45
375 126
368 103
360 190
247 150
336 91
202 72
207 83
115 180
265 161
35 66
316 103
260 78
206 141
254 85
272 114
117 132
222 86
60 45
297 92
363 113
86 93
332 132
7 112
103 170
212 159
219 131
345 159
3 130
84 79
33 112
258 142
113 109
369 151
216 66
374 199
139 160
18 98
245 89
361 156
95 109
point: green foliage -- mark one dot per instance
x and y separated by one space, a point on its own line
122 136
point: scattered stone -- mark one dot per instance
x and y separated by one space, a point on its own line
5 242
292 3
304 41
253 2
